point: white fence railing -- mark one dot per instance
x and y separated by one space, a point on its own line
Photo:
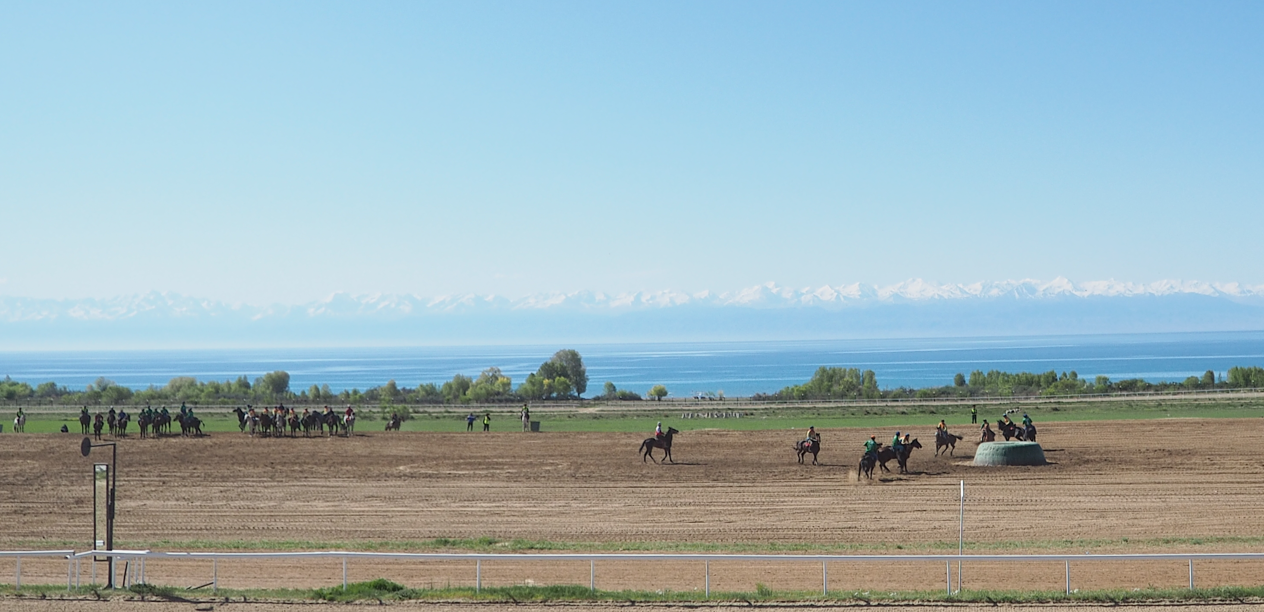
134 571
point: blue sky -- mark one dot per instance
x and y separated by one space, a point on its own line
264 152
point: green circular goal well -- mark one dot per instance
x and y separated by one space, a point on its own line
1009 453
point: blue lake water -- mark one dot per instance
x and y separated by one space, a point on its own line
737 368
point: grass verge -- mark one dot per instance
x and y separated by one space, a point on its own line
385 590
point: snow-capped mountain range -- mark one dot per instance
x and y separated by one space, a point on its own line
914 308
768 295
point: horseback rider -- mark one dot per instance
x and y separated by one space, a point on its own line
942 428
897 444
83 411
1006 422
1026 421
812 436
350 411
658 430
871 446
985 432
165 413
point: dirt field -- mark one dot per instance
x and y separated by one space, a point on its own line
1139 480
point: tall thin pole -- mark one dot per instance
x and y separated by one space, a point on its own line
592 575
961 534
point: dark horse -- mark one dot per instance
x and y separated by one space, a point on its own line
887 453
664 443
804 447
944 439
1012 430
84 422
867 462
241 418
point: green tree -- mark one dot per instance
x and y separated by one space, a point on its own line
658 392
1209 379
274 384
454 390
610 391
573 369
959 380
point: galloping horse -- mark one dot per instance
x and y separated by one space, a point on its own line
19 423
887 453
944 439
867 463
664 443
803 447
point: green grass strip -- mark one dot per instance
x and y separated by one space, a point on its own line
386 590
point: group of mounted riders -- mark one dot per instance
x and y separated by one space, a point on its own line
902 445
1009 429
278 420
151 421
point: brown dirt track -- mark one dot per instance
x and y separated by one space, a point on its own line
1139 480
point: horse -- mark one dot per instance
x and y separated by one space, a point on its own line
98 425
189 425
112 421
803 447
867 463
664 443
1011 430
19 423
142 422
84 422
121 425
887 453
348 425
394 423
312 422
330 420
162 424
987 435
1031 433
944 439
294 424
241 419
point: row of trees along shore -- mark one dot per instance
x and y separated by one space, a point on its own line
563 377
851 383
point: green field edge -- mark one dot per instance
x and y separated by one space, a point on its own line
386 591
491 544
761 419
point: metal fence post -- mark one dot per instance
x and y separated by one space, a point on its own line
214 575
707 568
1068 577
1191 574
825 577
948 576
344 573
478 575
592 575
18 585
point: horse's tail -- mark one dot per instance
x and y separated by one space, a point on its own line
642 449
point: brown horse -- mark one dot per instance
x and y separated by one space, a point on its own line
944 439
887 453
664 443
803 447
